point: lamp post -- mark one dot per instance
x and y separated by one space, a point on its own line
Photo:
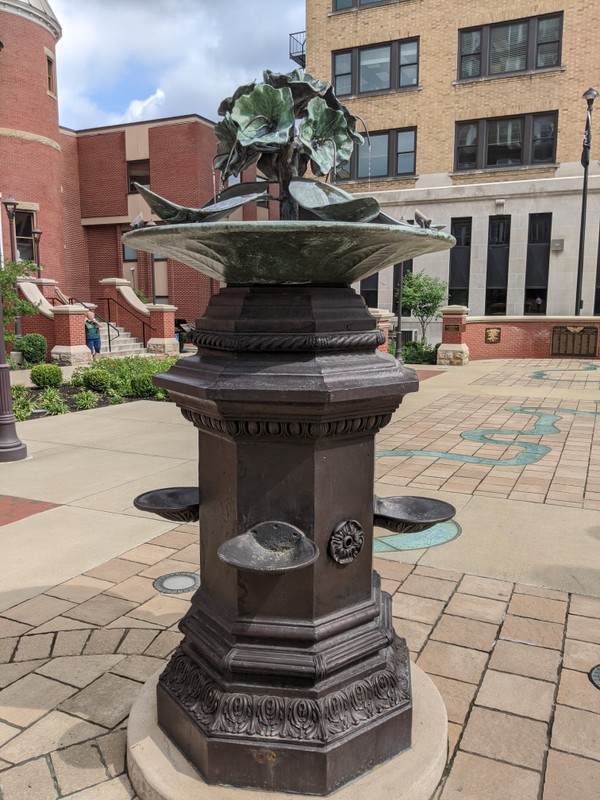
399 326
11 447
10 206
589 97
37 235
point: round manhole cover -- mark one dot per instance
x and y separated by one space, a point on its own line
177 583
594 676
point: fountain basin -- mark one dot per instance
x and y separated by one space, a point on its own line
269 547
177 503
318 253
410 514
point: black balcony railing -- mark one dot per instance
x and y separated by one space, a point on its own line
298 48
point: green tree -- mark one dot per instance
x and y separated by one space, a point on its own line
13 304
423 296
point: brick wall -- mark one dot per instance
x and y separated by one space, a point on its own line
77 268
440 100
103 174
518 339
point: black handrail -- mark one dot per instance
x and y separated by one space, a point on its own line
109 300
109 325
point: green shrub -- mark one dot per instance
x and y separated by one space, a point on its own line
98 380
142 386
51 401
77 376
34 347
23 404
114 398
419 353
45 375
86 399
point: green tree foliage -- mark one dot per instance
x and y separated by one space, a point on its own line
423 296
13 304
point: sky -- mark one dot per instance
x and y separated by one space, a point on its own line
129 60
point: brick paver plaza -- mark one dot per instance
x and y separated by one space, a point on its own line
505 617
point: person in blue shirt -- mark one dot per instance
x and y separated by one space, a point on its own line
92 334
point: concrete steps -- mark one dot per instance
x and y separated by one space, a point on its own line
123 345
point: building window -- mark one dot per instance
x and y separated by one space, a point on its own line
24 225
137 172
386 154
380 68
400 269
460 262
506 142
497 265
538 263
51 75
369 290
129 253
491 51
342 5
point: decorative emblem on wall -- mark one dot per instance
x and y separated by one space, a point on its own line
493 335
346 541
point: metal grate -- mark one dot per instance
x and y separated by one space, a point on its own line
574 340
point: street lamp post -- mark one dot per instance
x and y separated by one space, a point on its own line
37 235
589 97
11 447
10 205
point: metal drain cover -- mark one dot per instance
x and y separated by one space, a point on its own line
177 583
594 676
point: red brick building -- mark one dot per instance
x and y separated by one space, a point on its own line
76 186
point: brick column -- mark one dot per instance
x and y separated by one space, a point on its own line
453 351
69 335
110 292
46 287
383 317
162 323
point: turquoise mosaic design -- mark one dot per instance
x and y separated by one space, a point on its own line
584 366
438 534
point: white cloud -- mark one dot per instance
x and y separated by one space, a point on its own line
178 56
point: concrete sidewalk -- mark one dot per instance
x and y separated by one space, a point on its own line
505 617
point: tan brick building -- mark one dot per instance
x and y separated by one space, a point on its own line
476 118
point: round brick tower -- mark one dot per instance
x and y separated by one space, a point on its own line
30 152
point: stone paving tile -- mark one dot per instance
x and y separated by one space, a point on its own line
585 606
428 587
115 789
34 646
177 539
465 632
575 689
63 624
78 767
115 570
70 643
9 673
485 587
149 554
79 671
101 610
9 628
54 731
113 748
394 570
29 698
582 656
505 737
450 661
441 574
37 610
479 608
79 589
136 589
105 702
419 609
538 591
103 641
137 641
477 778
167 566
538 608
132 622
415 633
576 731
7 732
30 781
7 648
569 776
162 610
457 697
533 631
138 668
526 660
526 697
585 629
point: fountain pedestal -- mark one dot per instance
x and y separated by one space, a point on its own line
289 675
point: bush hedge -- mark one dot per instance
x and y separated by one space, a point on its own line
45 375
34 348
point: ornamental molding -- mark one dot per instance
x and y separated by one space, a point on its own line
291 719
346 541
280 343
